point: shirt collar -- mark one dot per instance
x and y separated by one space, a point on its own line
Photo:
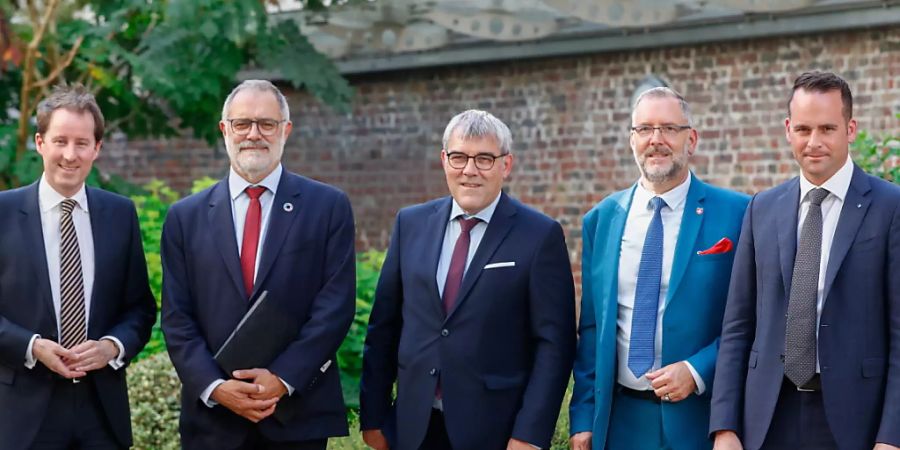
485 214
237 184
838 184
48 198
673 197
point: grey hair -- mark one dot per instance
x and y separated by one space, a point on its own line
665 92
475 123
259 86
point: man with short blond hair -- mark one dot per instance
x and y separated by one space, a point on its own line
75 303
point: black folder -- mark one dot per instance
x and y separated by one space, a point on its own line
261 335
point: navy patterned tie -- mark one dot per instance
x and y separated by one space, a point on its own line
800 330
646 295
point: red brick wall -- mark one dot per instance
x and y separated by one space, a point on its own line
568 117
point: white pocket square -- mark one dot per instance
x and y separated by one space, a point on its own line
500 264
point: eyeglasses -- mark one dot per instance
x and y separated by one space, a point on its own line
668 131
483 161
266 127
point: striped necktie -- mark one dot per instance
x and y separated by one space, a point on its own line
72 323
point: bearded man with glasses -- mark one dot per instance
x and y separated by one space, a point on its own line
260 229
656 260
474 313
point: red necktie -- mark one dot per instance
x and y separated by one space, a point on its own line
251 236
458 263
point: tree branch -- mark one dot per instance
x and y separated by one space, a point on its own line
70 56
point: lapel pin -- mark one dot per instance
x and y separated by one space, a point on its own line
699 211
859 205
288 207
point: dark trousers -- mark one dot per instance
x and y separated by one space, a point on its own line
436 437
75 420
799 422
256 441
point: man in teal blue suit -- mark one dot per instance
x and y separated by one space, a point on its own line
656 265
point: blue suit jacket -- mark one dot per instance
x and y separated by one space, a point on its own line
307 265
504 352
693 319
121 306
859 333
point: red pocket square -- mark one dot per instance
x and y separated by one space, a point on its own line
723 246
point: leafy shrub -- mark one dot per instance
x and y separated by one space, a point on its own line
151 209
879 157
368 267
155 395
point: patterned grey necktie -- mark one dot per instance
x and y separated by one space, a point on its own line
800 333
72 324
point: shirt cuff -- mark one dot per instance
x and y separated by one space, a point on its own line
119 361
701 386
204 396
289 388
30 360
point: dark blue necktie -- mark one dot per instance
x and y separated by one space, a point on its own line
646 295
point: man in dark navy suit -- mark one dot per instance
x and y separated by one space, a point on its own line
75 304
810 350
474 312
262 228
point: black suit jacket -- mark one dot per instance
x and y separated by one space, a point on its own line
121 306
503 354
859 331
307 264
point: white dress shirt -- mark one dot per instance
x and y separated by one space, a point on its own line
638 221
240 202
832 205
51 212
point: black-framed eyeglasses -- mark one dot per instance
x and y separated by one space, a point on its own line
483 161
266 127
668 131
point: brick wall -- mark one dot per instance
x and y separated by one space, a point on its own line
568 117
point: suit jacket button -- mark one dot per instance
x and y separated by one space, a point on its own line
445 332
432 372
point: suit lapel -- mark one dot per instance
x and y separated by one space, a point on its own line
611 258
101 225
501 223
33 235
691 221
435 229
787 231
221 224
856 204
280 220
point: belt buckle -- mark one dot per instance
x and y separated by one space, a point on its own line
801 389
76 380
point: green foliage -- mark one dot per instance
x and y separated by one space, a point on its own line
152 207
155 395
878 156
349 356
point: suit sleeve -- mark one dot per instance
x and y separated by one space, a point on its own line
738 329
333 306
139 307
184 340
581 408
552 304
382 340
889 429
14 342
